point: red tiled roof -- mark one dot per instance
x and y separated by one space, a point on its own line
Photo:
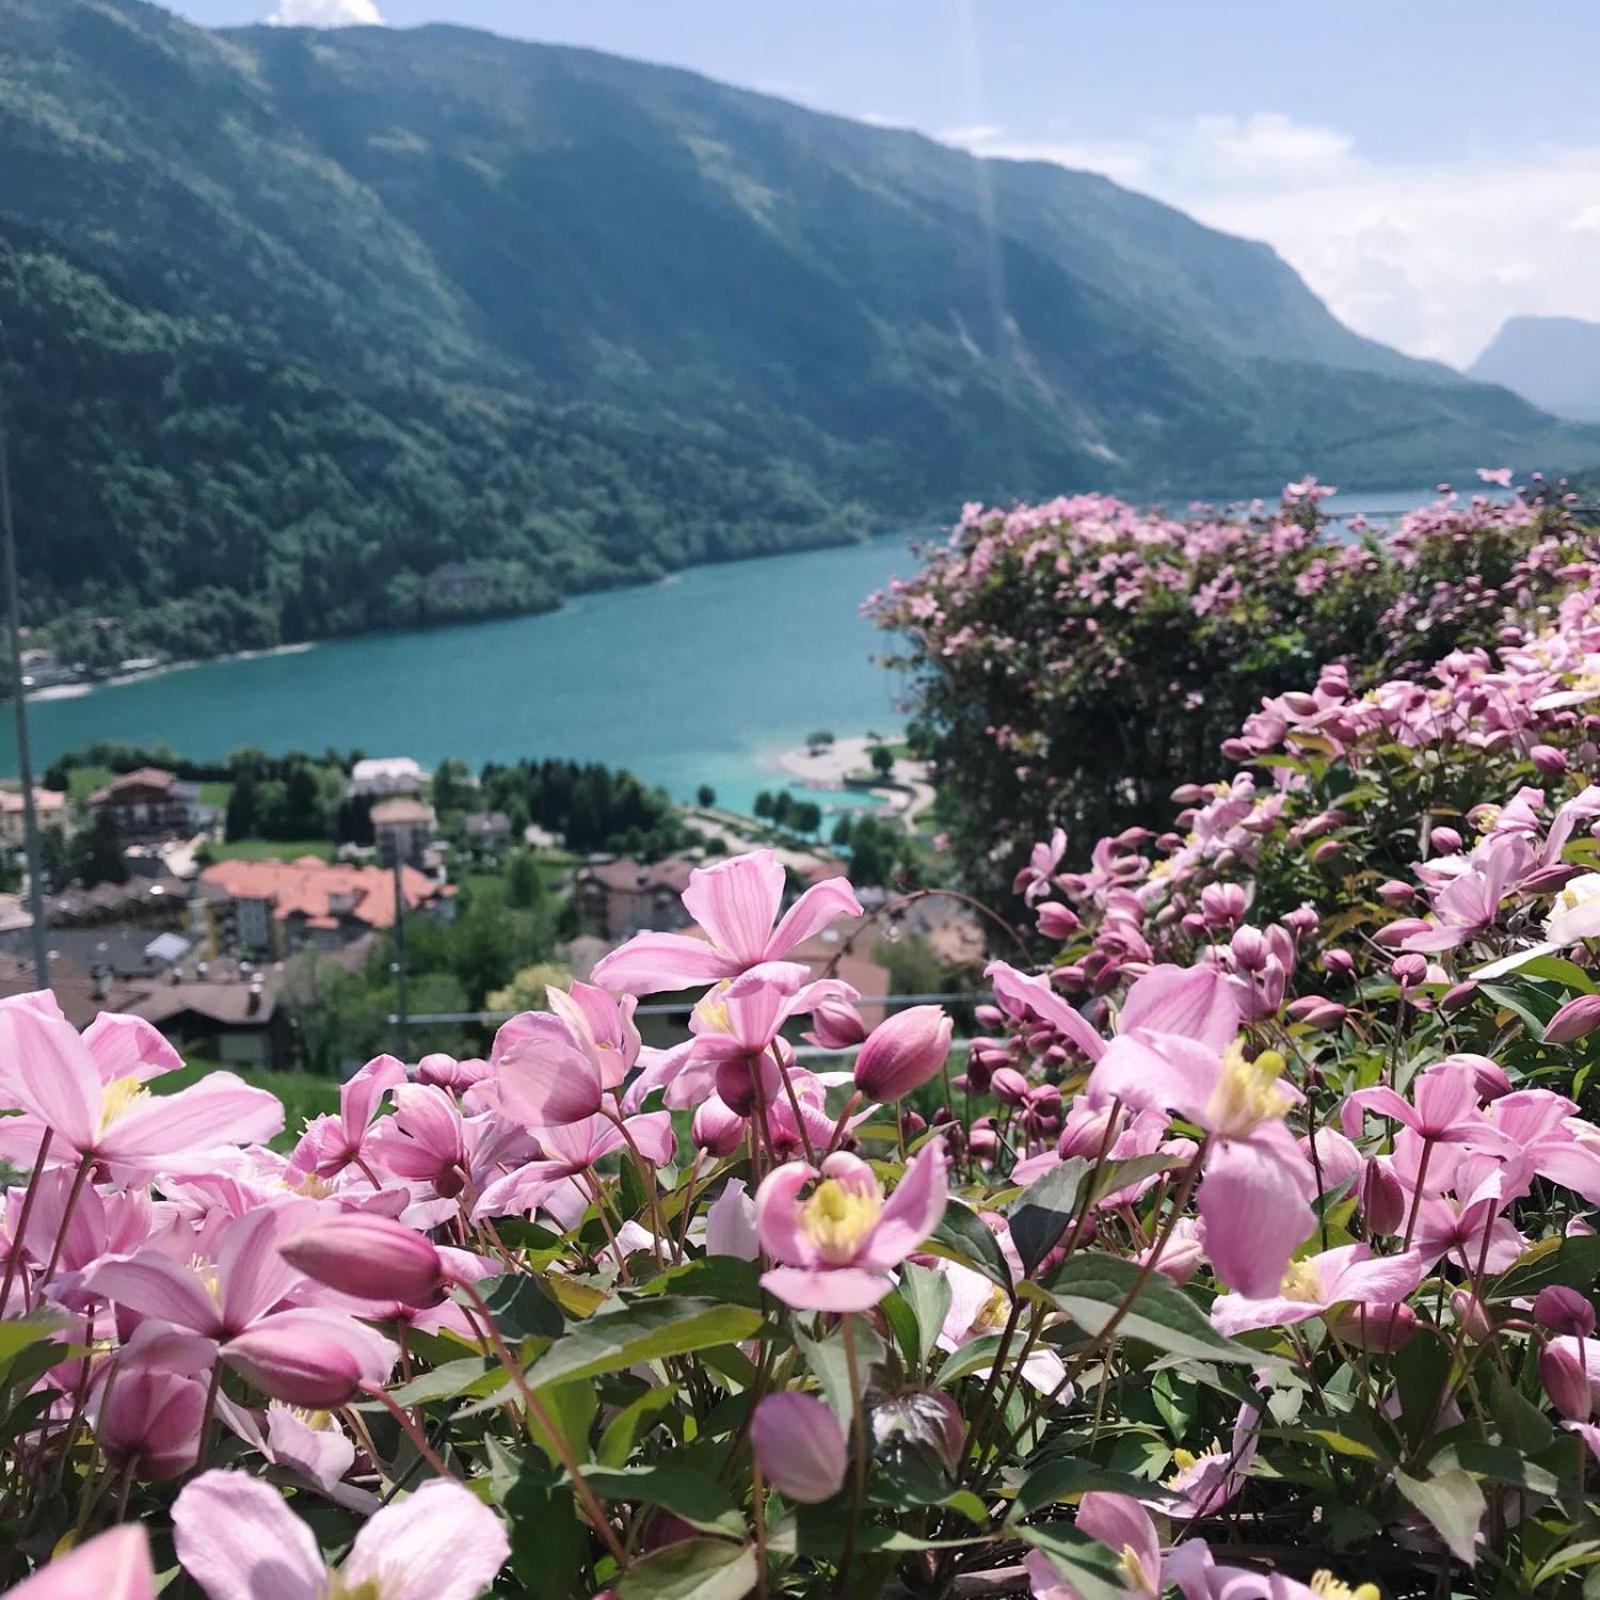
43 799
308 888
142 778
673 873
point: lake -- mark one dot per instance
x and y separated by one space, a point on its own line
704 678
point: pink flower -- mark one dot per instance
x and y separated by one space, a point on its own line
114 1566
569 1150
149 1418
839 1245
55 1079
799 1446
736 902
371 1258
238 1540
543 1076
1310 1287
903 1052
332 1143
1120 1523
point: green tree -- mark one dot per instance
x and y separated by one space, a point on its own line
241 820
764 806
882 758
452 786
705 796
805 817
524 882
97 853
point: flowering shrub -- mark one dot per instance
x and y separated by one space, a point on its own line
1070 662
1249 1253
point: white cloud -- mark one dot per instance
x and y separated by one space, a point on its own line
971 133
1430 256
326 14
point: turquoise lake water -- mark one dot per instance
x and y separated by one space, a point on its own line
701 679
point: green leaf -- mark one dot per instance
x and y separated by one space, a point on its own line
571 1407
1075 1475
963 1236
926 1291
676 1486
1501 1464
1557 969
723 1278
828 1364
630 1424
971 1357
1572 1261
1115 1175
1090 1289
1090 1567
1044 1211
1452 1501
648 1330
522 1309
471 1375
22 1333
695 1569
549 1545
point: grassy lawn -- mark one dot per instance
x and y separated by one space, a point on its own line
215 794
303 1094
83 781
272 849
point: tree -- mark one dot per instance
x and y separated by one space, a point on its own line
806 817
97 853
524 882
241 821
452 787
705 796
764 806
882 758
527 990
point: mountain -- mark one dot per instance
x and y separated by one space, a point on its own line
1552 361
320 331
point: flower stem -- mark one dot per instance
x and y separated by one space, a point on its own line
29 1195
858 1422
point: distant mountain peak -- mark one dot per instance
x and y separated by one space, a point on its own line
1552 361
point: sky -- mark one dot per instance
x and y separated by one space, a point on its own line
1430 167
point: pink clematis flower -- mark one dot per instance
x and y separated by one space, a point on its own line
1310 1287
114 1566
333 1142
1122 1524
58 1084
838 1246
736 903
569 1150
238 1540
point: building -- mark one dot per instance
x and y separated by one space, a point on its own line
152 902
235 1021
402 828
276 907
151 803
489 830
50 806
385 775
618 899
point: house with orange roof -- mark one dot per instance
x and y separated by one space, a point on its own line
277 907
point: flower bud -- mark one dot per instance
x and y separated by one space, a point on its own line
736 1082
150 1421
1316 1012
1470 1315
369 1257
1378 1328
1222 904
302 1366
1395 892
715 1128
1564 1310
1057 921
445 1072
1566 1381
1457 995
1409 970
1338 963
799 1446
1302 920
1549 761
1008 1086
903 1052
836 1024
1249 947
1382 1199
1445 841
1575 1019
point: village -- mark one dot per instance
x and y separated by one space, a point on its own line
245 950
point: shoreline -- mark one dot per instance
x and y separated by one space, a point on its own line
844 766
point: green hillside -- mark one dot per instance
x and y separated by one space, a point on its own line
295 320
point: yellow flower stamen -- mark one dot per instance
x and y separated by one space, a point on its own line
1331 1588
119 1097
1133 1570
1247 1093
837 1219
1301 1282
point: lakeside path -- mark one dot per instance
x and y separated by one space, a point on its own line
906 792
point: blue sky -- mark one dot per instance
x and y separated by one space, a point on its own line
1430 166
